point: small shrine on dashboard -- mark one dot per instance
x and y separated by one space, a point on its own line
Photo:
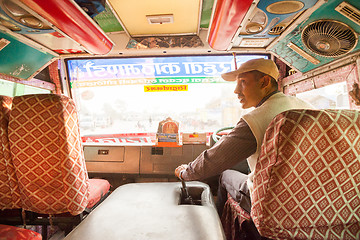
168 133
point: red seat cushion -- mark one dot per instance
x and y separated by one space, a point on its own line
11 233
98 188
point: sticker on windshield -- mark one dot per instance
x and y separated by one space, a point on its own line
165 88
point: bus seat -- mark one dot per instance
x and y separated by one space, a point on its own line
48 157
233 218
306 182
9 191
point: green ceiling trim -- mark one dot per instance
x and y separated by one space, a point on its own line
206 13
107 21
20 60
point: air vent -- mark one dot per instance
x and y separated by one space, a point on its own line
157 151
349 11
277 29
160 19
329 38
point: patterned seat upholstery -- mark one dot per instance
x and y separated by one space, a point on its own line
9 190
232 219
307 179
47 154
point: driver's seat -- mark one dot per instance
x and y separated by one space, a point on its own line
307 179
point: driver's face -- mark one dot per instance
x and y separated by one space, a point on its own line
249 90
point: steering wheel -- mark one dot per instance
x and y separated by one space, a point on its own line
215 137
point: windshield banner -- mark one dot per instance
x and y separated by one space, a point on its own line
151 70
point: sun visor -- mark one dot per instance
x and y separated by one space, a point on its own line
77 25
224 25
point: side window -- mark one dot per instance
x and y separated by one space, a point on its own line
7 88
12 89
334 96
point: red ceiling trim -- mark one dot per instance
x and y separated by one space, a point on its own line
227 18
67 17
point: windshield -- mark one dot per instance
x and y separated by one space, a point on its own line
132 95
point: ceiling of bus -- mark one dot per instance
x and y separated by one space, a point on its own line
284 28
163 18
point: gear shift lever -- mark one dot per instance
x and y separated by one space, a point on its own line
187 198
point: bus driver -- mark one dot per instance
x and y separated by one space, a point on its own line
256 87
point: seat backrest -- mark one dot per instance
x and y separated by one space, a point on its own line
307 179
46 150
9 190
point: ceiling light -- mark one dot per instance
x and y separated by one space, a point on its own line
160 19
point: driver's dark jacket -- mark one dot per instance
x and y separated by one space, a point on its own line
237 146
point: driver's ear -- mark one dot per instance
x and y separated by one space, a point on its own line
266 81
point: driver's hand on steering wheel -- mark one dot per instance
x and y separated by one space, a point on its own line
179 170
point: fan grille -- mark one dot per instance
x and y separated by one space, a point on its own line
329 38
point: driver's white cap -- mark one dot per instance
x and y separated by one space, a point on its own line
266 66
